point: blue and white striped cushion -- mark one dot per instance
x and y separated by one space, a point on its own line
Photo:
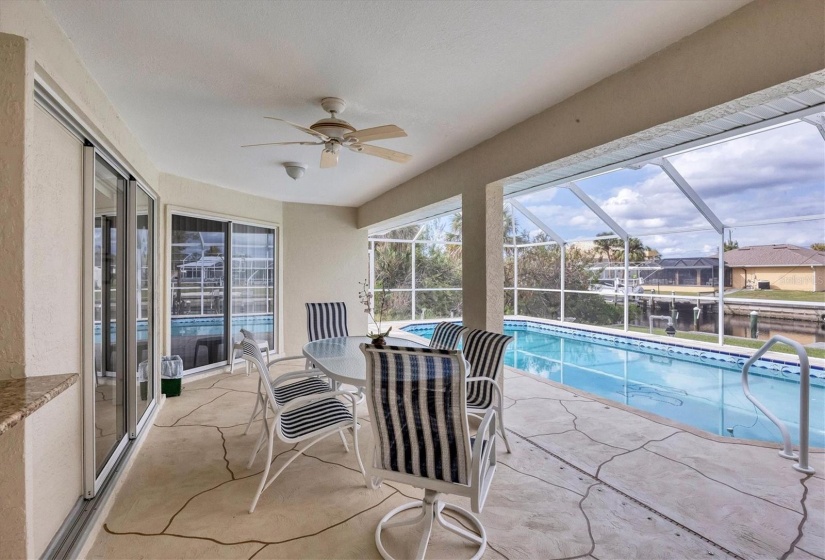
484 351
311 386
326 320
415 402
446 335
313 417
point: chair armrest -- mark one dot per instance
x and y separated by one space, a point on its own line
496 388
483 459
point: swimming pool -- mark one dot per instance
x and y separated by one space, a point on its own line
694 386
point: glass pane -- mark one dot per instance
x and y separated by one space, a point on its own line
539 267
144 331
397 306
440 304
544 305
253 282
509 260
393 265
509 301
437 266
775 173
198 293
594 309
445 228
110 337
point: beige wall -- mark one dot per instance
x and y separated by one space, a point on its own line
54 469
763 44
15 90
325 257
782 278
13 528
59 64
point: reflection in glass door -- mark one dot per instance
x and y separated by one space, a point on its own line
253 281
110 312
198 273
144 285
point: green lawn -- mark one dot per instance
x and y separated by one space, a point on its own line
781 295
733 341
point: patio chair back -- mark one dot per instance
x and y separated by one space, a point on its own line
326 320
416 400
446 336
484 351
251 352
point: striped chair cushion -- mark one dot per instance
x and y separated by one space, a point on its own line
311 386
313 417
446 335
326 320
485 352
415 399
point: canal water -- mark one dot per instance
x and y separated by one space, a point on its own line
805 332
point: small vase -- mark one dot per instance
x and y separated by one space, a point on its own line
379 342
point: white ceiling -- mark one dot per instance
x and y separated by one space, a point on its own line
193 79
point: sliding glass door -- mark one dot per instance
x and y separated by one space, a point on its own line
253 281
119 284
223 278
110 337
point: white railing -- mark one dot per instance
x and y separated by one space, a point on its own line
804 402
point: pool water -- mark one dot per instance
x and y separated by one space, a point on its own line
699 388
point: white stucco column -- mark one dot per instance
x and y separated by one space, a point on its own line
482 263
15 105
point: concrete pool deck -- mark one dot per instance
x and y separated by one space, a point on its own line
587 479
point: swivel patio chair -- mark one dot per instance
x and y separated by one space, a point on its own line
417 404
263 345
446 336
298 416
484 351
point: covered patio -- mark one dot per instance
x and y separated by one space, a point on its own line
587 478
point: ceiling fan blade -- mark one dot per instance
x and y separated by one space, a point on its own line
284 144
328 159
377 133
323 137
392 155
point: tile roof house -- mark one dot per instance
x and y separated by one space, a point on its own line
787 267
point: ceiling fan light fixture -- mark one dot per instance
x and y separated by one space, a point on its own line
295 170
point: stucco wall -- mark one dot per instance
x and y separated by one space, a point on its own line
765 43
13 528
59 64
53 265
325 257
15 70
54 468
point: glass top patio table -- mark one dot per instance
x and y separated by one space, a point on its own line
341 358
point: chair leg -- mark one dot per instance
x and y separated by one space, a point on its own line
343 440
501 429
232 364
264 484
254 410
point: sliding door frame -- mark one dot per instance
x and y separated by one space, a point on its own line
277 311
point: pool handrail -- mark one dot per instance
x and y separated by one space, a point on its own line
804 402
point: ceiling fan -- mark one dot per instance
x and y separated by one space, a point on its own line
334 133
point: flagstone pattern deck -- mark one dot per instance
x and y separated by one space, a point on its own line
586 479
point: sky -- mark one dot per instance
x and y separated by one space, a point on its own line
774 174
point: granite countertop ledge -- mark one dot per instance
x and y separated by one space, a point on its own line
22 397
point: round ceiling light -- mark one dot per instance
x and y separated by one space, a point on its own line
295 170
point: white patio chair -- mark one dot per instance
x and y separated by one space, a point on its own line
446 335
484 351
417 403
263 345
298 417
